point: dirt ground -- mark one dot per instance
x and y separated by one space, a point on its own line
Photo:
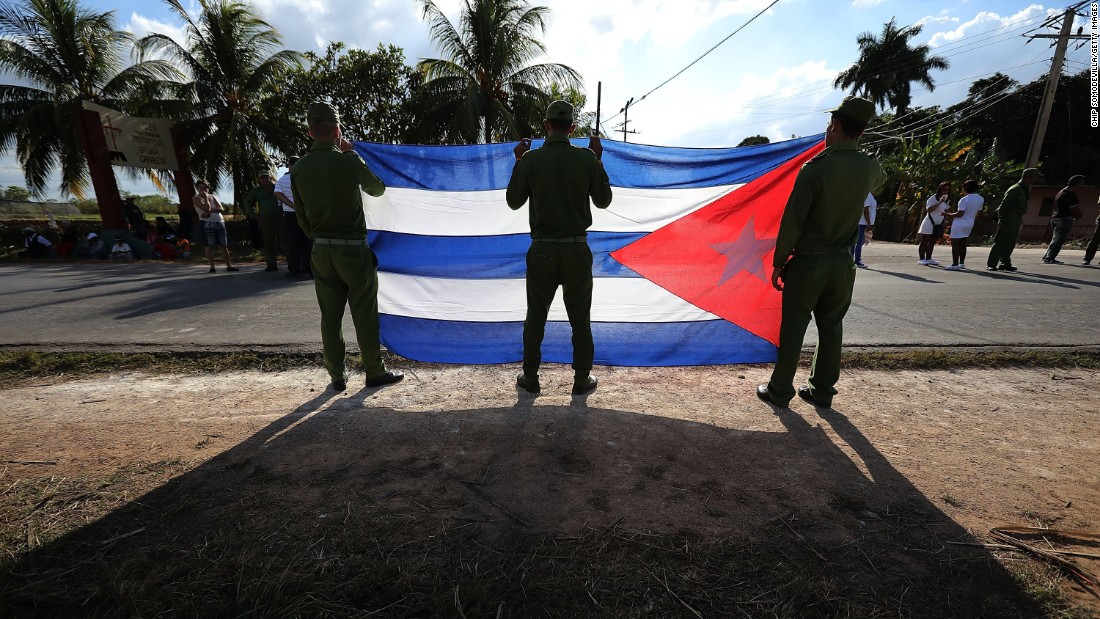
667 492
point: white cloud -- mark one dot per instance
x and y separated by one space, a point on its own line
983 22
141 26
980 46
312 24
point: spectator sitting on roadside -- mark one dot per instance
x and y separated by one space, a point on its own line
92 247
163 248
183 248
35 245
68 239
151 234
121 250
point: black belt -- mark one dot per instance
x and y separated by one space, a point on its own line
564 239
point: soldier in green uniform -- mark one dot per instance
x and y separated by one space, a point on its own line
559 179
326 184
812 256
261 204
1010 216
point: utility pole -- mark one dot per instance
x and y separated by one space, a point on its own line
1040 132
626 115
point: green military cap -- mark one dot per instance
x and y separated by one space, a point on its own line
1030 172
559 110
321 112
856 108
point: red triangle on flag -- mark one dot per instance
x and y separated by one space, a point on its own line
718 258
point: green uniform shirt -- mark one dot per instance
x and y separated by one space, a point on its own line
559 178
1015 201
326 185
823 210
263 198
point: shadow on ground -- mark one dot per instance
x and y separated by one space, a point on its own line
342 508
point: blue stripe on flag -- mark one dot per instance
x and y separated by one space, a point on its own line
709 342
482 167
484 257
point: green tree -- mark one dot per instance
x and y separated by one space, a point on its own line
486 86
155 204
63 54
233 61
755 140
17 193
888 65
374 91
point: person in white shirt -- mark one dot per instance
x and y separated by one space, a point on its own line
34 244
210 211
121 250
962 223
931 225
299 249
870 205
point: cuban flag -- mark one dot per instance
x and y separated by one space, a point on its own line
681 258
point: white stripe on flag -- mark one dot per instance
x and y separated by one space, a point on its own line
485 213
626 299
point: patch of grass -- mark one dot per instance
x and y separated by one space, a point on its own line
1046 586
951 500
20 366
35 511
1040 521
962 358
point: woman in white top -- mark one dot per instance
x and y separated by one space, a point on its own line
210 211
931 225
870 205
962 223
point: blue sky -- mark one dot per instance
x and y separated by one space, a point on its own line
773 78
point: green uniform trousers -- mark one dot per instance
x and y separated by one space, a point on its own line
272 230
1004 241
348 274
550 265
821 285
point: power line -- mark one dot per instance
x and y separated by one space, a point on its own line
962 46
974 109
693 62
910 128
910 123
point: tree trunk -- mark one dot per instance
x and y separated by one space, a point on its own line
185 185
90 130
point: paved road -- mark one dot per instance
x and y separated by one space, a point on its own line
168 306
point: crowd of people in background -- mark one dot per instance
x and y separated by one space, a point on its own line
939 216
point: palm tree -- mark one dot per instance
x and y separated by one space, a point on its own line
486 86
63 54
233 60
888 66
